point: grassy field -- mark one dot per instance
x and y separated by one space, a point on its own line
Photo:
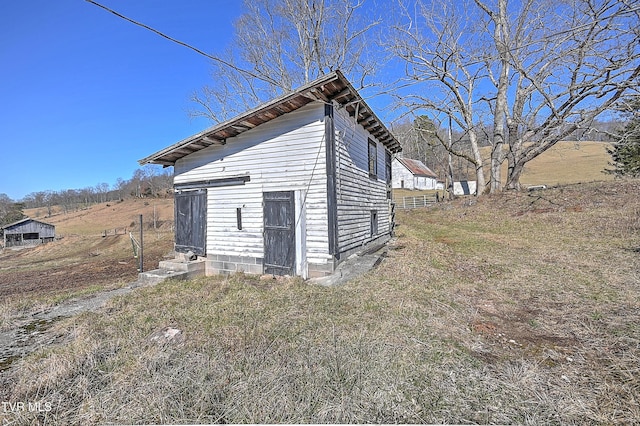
567 162
517 308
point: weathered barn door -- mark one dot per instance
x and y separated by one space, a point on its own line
279 233
191 221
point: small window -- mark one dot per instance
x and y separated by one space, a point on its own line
374 222
387 166
373 160
239 217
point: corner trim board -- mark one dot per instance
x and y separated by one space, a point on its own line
332 199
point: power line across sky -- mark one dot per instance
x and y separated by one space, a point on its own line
84 94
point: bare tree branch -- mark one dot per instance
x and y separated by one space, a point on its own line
533 72
287 43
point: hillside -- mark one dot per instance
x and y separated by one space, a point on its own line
99 217
81 259
567 163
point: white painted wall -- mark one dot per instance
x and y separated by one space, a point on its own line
401 176
465 187
289 154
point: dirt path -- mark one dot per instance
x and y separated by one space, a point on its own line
31 332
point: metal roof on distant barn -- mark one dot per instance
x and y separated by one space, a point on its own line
330 87
26 219
417 168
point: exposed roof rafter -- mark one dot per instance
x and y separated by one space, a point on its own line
330 87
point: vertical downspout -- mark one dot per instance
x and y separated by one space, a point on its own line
332 199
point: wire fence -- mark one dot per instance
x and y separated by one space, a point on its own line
114 231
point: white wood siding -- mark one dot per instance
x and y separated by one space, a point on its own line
357 193
285 154
401 175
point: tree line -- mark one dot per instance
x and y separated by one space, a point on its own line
147 182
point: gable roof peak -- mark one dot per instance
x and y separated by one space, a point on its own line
26 219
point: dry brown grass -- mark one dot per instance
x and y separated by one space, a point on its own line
519 308
99 217
569 162
565 163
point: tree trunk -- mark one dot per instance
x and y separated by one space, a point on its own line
497 157
500 37
480 180
514 172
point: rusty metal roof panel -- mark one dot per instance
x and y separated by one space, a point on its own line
24 220
417 167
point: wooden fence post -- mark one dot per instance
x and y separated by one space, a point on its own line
141 249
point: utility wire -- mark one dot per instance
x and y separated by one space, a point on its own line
188 46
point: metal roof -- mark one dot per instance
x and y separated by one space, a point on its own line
417 167
330 87
26 219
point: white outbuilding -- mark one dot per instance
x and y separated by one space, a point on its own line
413 174
292 187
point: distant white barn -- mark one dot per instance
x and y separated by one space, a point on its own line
293 186
413 174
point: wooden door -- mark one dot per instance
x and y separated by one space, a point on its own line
191 221
279 233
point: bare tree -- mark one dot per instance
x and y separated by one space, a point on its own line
443 53
102 191
282 44
120 187
529 73
68 199
571 62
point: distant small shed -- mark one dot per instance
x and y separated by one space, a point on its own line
464 187
27 232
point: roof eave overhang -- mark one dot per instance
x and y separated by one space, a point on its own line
330 87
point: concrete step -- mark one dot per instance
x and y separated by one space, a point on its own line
158 275
193 267
176 269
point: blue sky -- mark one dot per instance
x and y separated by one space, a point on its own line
85 94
